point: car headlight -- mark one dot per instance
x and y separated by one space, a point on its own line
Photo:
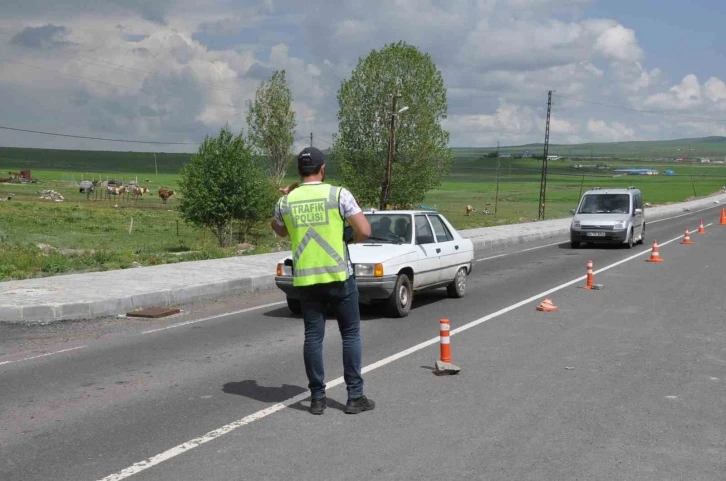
576 224
619 225
369 270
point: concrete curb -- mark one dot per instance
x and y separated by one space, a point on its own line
47 312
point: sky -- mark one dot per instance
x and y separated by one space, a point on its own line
170 72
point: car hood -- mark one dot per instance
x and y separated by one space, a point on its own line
378 253
601 219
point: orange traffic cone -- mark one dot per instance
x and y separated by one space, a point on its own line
590 276
655 255
444 365
547 306
723 216
686 238
701 229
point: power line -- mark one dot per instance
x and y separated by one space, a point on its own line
630 109
104 82
97 138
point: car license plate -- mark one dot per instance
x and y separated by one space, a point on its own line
595 234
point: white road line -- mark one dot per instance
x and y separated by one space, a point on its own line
682 215
212 435
523 250
217 316
566 241
42 355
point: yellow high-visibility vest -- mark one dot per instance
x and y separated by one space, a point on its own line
312 216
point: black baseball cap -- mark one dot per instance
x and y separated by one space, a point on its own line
310 157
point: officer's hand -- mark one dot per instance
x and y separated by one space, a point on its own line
287 189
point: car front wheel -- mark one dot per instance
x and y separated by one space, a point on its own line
399 304
458 287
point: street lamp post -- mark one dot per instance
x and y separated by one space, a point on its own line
386 187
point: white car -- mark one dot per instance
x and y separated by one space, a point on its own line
408 251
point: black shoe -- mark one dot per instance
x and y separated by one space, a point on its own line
317 406
356 406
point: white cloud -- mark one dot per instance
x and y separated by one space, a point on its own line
619 43
714 90
683 96
191 66
613 132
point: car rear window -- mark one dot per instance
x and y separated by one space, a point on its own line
442 233
423 231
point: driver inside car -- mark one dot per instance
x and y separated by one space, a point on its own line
383 229
402 229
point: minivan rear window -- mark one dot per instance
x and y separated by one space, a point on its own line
605 204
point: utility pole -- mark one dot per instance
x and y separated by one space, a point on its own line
386 188
496 196
311 139
543 180
155 167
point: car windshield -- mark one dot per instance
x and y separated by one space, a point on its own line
389 228
605 204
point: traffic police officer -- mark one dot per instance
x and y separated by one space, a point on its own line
314 214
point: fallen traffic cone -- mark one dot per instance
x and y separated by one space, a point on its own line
723 216
701 229
655 255
686 238
590 276
547 306
444 365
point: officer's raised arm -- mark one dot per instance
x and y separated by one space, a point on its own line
360 225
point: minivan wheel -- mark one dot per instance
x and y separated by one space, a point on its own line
642 236
399 304
630 238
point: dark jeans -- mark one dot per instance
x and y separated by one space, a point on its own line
315 300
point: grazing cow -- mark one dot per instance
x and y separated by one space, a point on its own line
469 210
86 186
116 190
137 191
165 194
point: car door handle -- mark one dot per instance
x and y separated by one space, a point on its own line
438 251
457 247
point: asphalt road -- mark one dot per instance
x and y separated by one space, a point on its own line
627 382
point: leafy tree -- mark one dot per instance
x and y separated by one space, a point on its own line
271 122
422 157
222 184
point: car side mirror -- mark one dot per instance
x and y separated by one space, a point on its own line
638 211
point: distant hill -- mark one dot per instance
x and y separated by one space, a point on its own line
143 162
696 147
90 161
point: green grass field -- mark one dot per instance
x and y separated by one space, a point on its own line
88 234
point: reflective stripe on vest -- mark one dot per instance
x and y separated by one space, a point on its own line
311 214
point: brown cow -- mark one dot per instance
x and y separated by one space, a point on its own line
165 194
469 210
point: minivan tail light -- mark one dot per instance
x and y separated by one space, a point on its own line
279 270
